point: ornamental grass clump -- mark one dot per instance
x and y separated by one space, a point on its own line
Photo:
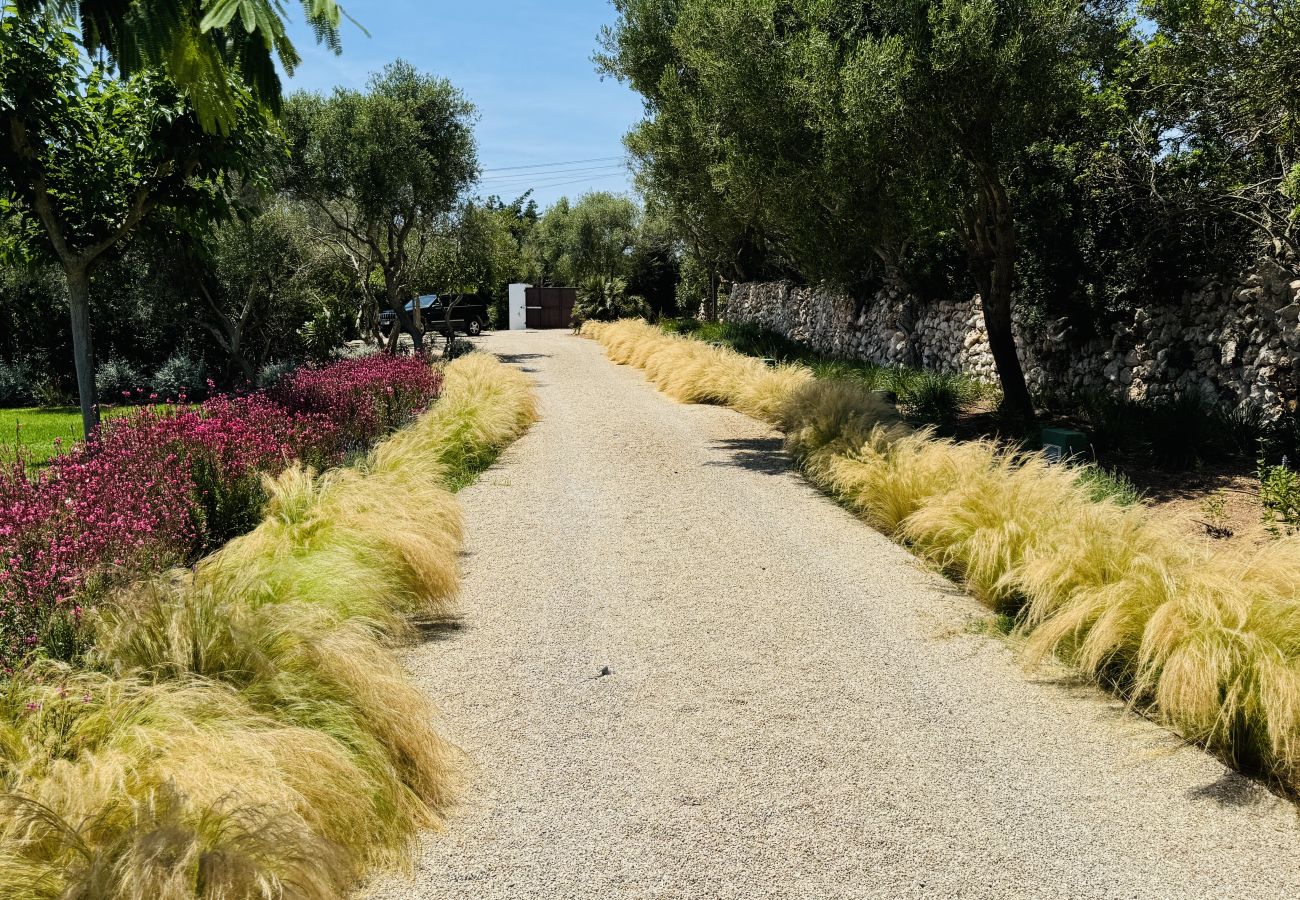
483 407
391 539
243 729
1203 639
996 506
123 787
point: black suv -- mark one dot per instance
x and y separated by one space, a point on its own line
468 313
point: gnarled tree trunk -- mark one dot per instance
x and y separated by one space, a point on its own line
991 246
405 324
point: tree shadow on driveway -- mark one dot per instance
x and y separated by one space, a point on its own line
516 359
764 455
438 628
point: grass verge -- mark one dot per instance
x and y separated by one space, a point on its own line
41 432
243 729
1204 640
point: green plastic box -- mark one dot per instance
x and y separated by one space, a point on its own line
1063 443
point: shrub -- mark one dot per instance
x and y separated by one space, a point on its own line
754 340
52 389
1184 431
871 376
357 349
162 485
680 325
1279 440
181 376
1105 484
606 299
17 383
117 380
932 398
273 372
457 347
1279 494
323 333
1176 433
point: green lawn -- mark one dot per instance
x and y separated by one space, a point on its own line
36 429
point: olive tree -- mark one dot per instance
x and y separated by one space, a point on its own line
828 138
590 238
263 280
696 153
383 166
1225 88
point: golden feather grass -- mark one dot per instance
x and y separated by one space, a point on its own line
244 729
1206 641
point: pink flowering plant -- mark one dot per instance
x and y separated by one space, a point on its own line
164 485
360 395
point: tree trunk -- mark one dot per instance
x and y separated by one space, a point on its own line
246 365
996 301
711 304
368 319
405 323
83 346
993 240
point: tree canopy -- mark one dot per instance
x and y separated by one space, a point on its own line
1051 154
383 166
87 156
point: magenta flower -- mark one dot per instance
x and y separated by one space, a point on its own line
151 491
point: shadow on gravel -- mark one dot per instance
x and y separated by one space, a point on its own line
443 628
765 455
1232 789
517 358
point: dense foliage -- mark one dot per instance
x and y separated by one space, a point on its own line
161 486
623 259
1063 156
89 156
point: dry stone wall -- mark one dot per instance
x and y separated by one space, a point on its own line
1235 345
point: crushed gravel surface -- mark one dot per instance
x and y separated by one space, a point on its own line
794 707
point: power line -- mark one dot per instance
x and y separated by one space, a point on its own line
517 175
515 179
575 181
543 182
569 162
567 180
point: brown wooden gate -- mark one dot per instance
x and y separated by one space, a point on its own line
549 307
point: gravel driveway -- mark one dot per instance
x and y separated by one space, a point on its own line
796 707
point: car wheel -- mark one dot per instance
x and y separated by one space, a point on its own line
475 327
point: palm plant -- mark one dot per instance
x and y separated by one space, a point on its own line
200 44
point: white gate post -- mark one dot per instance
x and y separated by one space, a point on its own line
518 314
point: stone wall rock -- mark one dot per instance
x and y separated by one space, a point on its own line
1236 345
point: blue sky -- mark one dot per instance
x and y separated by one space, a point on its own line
526 65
